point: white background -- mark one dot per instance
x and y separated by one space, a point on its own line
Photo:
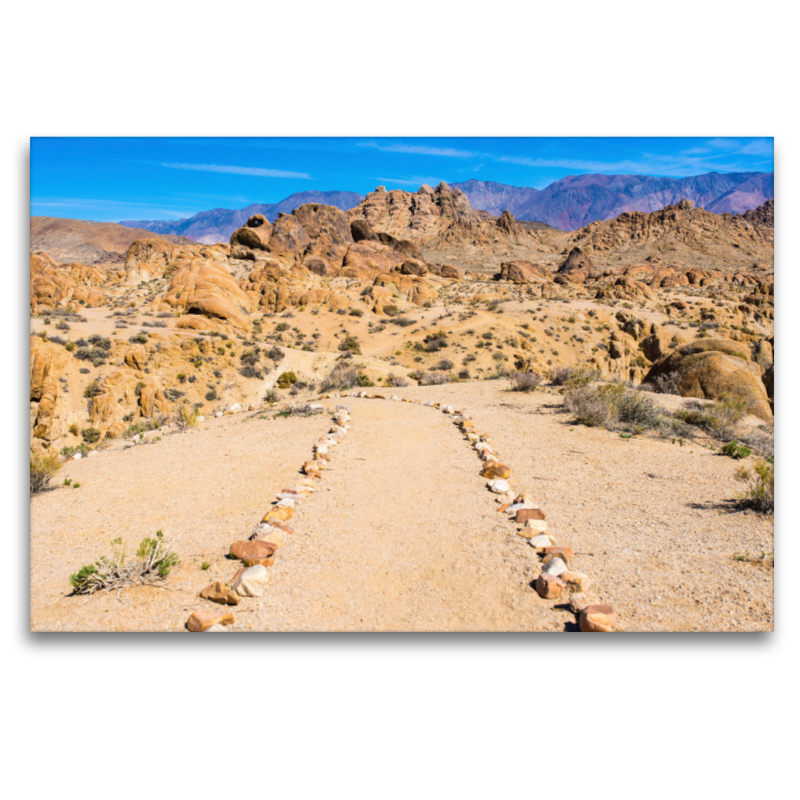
395 716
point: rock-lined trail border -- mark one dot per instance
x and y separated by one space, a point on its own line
272 533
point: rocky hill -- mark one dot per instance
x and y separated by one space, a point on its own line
578 200
680 233
217 225
763 216
87 242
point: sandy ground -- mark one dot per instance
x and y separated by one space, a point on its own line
402 535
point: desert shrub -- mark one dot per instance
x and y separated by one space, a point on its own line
434 378
350 344
760 491
445 365
90 435
43 469
356 312
434 342
211 395
282 326
573 376
761 440
186 418
391 310
57 340
286 379
464 375
403 322
719 419
736 450
271 397
525 381
152 563
667 383
397 380
342 376
251 372
615 407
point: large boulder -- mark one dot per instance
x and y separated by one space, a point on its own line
521 272
254 235
625 289
288 236
207 288
712 367
367 259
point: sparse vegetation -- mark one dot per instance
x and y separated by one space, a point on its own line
286 379
43 470
525 381
759 493
342 376
152 563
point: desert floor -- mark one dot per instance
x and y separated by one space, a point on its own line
401 534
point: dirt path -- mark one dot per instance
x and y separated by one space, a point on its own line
401 536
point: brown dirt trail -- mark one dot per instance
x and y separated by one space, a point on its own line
401 536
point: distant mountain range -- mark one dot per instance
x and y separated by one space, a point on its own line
578 200
569 203
218 224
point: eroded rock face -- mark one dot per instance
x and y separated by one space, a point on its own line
367 259
206 287
254 235
626 289
520 272
712 367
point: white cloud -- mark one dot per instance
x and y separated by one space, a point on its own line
257 172
421 150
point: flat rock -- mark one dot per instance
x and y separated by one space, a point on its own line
249 551
576 581
218 592
564 553
201 621
540 541
554 567
252 582
549 586
577 601
499 486
600 618
524 514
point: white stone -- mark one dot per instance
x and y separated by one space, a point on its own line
252 582
201 418
541 541
537 524
498 486
315 406
555 567
517 506
286 503
235 407
77 456
218 414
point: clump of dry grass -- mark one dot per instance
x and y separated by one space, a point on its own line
43 469
152 563
760 491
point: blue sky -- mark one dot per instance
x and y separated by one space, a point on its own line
109 179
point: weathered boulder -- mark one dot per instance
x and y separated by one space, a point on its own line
255 234
521 272
712 367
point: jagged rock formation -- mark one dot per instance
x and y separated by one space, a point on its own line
680 232
433 217
763 216
54 285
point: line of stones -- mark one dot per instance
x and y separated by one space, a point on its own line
257 553
556 577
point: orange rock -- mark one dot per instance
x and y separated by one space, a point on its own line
249 551
549 586
564 553
599 618
524 514
201 621
496 470
279 513
218 592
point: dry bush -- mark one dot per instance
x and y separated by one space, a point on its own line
616 407
719 419
342 376
434 378
43 469
525 381
573 376
667 383
760 491
397 380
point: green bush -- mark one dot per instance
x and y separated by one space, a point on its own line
90 435
350 344
760 491
736 450
718 419
286 379
152 563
